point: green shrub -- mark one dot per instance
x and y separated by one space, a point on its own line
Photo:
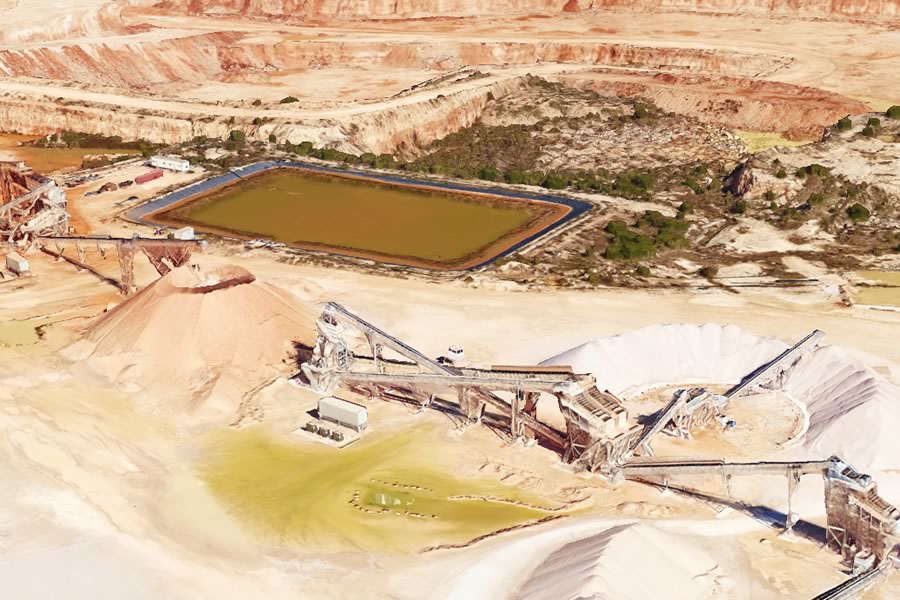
816 199
631 247
288 100
709 271
813 169
739 207
640 112
534 178
893 112
693 185
781 174
858 213
643 271
368 158
874 122
868 131
769 196
633 183
555 181
273 139
515 177
617 227
844 123
489 174
237 136
685 208
385 161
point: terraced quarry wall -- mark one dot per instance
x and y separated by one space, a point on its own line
367 9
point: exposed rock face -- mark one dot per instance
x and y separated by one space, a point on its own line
741 179
447 55
133 65
394 130
798 112
196 59
382 9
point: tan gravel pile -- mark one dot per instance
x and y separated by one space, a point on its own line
204 338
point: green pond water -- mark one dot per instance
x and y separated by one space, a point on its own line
889 295
294 207
22 333
302 492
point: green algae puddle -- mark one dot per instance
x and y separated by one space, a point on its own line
387 494
880 296
22 333
293 207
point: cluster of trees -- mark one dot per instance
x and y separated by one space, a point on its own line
651 232
873 124
77 139
631 183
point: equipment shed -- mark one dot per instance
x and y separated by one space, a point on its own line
343 413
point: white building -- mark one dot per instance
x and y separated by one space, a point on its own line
343 413
185 233
16 263
171 163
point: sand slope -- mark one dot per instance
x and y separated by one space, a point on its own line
853 411
613 564
210 337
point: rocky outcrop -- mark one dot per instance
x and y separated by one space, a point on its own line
798 112
452 55
131 64
142 64
741 180
407 9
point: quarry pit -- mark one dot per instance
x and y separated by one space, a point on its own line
637 261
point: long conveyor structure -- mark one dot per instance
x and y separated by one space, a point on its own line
163 253
589 413
856 585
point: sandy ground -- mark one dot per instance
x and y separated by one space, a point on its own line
85 484
101 500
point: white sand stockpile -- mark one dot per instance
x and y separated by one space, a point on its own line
853 412
625 562
203 338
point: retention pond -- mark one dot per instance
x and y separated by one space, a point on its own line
392 220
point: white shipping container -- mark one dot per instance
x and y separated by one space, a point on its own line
343 413
171 163
16 263
185 233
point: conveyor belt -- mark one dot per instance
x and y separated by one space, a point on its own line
699 467
766 370
855 586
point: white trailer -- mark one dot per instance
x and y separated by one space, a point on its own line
185 233
170 163
17 263
343 413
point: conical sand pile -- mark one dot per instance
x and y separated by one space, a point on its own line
203 338
614 564
852 411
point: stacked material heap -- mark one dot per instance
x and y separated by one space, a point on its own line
206 338
851 411
614 563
